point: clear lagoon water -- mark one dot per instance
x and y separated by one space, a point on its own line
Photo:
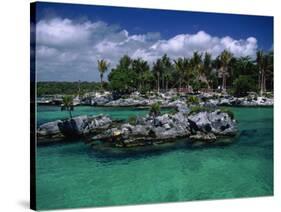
72 174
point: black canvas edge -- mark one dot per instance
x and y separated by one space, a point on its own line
32 107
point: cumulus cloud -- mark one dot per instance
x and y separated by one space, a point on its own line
69 50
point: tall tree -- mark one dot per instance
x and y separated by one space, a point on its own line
157 70
196 62
122 78
207 68
102 67
140 67
180 69
225 58
67 104
167 71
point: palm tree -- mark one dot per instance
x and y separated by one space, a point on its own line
265 67
67 104
180 69
207 68
260 64
102 67
225 58
157 69
167 71
196 62
140 67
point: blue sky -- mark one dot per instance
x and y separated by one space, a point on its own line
71 37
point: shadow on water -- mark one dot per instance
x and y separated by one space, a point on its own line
59 142
107 154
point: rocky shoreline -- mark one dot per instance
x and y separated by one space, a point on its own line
172 99
204 125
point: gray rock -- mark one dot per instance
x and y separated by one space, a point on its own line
161 120
200 122
210 137
82 125
49 129
217 122
102 100
182 108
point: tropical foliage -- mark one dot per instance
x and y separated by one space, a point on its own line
200 72
102 67
67 104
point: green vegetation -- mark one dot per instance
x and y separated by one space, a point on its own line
198 109
67 102
265 67
155 109
66 88
102 67
225 59
132 120
192 100
242 85
200 72
229 112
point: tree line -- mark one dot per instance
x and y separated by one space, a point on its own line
201 72
226 72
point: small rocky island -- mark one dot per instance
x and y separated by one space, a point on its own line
196 124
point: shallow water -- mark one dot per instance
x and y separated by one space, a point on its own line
75 175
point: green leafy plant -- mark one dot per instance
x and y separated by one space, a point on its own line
132 120
67 104
155 109
229 112
243 84
192 100
198 109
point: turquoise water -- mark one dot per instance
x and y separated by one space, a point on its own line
74 175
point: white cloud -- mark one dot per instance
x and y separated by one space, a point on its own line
68 50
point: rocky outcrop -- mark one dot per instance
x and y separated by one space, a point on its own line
129 102
203 126
101 100
235 101
77 126
216 122
173 99
49 129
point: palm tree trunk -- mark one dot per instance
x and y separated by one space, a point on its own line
158 83
262 83
163 82
224 80
259 81
101 76
180 84
70 114
222 87
140 86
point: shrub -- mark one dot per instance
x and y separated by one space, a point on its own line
198 109
155 109
195 85
203 85
229 112
193 100
132 120
175 98
268 95
242 85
